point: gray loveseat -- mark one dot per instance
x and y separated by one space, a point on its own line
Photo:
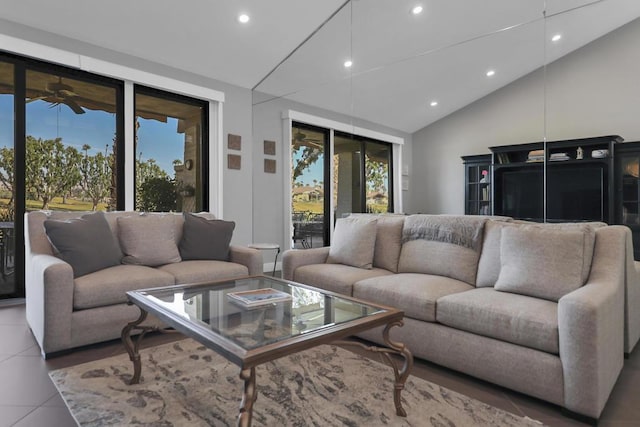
546 309
64 312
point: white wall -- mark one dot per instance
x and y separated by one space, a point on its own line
593 91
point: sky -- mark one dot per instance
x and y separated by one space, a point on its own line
314 171
156 140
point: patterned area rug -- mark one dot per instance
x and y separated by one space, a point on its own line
185 384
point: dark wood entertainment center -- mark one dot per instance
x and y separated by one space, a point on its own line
587 179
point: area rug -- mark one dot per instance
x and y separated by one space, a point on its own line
185 384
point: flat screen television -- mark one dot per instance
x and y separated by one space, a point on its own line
574 193
577 193
521 193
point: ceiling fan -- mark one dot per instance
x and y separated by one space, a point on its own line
59 93
300 137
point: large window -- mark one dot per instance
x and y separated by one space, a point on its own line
170 152
62 147
71 138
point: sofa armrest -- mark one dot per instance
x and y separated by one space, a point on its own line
49 301
251 258
631 298
591 327
294 258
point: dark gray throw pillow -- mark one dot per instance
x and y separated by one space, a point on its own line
86 243
205 239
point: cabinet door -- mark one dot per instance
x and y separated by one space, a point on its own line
628 201
629 165
478 188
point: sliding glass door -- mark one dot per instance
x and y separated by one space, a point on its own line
9 287
362 175
360 180
71 139
171 149
309 207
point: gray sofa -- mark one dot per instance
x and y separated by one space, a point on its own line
64 312
547 309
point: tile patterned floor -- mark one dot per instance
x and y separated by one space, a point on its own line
29 399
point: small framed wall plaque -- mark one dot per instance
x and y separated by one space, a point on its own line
269 147
269 166
234 142
234 161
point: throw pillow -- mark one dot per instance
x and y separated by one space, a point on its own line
86 243
148 239
204 238
354 242
545 262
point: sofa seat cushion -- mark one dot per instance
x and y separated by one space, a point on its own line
335 277
416 294
204 271
109 286
518 319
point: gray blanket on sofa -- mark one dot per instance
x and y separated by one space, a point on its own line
461 231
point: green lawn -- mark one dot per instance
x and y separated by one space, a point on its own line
57 205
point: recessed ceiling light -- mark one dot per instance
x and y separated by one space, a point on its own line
348 63
244 18
491 73
417 10
434 103
556 37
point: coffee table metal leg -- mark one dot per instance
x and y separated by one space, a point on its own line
133 347
401 374
250 395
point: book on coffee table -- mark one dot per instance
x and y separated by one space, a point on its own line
259 297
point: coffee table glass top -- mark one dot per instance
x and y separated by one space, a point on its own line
210 308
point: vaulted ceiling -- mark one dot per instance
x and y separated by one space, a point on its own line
401 62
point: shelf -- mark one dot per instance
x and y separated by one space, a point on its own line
577 162
519 165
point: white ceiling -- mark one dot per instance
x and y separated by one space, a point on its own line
401 62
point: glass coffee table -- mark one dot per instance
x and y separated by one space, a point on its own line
249 335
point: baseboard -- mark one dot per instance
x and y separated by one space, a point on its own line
579 417
11 302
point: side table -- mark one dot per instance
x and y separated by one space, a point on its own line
267 247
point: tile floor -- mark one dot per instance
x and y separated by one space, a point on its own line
29 399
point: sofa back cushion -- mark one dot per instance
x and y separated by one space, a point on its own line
388 242
490 262
354 240
440 244
149 239
545 262
86 243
